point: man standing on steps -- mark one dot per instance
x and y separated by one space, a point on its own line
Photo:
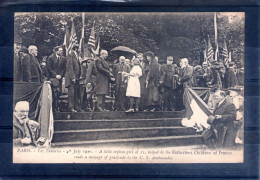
31 68
120 86
56 65
169 83
103 77
72 79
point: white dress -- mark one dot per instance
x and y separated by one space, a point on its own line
133 85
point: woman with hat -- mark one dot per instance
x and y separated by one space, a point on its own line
133 90
152 81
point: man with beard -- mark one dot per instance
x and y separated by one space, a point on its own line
120 87
24 129
56 65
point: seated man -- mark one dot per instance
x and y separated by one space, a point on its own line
24 130
222 123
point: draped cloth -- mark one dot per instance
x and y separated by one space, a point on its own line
39 96
197 111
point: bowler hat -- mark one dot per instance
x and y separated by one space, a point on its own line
86 59
149 53
23 49
210 119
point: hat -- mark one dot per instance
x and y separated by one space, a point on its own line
210 119
23 49
136 61
234 89
149 53
86 59
75 45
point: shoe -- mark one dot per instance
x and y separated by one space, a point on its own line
136 109
152 110
130 110
73 110
100 109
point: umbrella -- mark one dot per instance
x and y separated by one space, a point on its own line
124 49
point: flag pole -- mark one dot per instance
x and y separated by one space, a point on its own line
216 36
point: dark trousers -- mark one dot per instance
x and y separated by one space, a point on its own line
168 98
74 96
134 101
82 96
101 100
120 99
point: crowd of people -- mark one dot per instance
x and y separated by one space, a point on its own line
137 84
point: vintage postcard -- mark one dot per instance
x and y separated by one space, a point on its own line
128 87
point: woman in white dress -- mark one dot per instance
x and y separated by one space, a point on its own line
133 90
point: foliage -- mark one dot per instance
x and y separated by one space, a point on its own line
176 34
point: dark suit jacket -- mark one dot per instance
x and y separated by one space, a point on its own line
55 66
103 75
120 68
31 69
227 111
21 131
72 69
186 77
18 74
168 75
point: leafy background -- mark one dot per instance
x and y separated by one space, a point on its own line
176 34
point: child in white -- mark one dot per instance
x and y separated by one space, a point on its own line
133 90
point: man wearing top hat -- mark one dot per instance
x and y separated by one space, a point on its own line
72 76
56 65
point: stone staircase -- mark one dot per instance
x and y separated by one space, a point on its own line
142 129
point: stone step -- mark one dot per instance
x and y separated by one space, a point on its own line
119 133
60 125
118 115
165 141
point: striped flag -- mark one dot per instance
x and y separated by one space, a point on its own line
216 37
73 38
96 51
92 38
66 40
225 53
210 51
81 43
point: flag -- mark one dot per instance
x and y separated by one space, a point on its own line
210 51
66 40
197 111
81 44
216 36
92 38
96 51
73 38
229 57
225 53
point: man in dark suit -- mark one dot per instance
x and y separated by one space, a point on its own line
31 68
120 86
169 79
72 76
221 131
56 65
186 77
17 60
103 77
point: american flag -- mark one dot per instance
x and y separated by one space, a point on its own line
225 53
210 51
73 38
92 38
66 40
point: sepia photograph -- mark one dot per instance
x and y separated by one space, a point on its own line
164 87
